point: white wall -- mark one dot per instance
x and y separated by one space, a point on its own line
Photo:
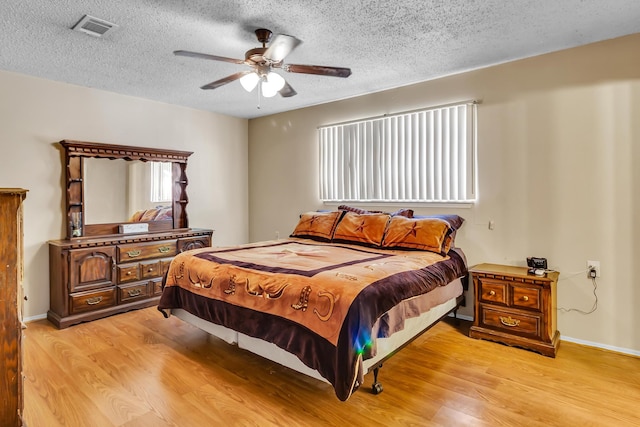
36 113
558 140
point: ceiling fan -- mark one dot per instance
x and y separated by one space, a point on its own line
262 61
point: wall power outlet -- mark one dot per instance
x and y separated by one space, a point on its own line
594 265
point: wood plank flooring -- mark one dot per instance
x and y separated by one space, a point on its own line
139 369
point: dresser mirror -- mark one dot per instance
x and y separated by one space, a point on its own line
120 191
109 186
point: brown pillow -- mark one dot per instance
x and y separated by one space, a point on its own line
427 234
317 225
354 209
365 229
402 212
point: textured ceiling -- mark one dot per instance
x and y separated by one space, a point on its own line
386 43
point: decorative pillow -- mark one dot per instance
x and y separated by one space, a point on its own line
353 209
164 213
455 222
149 215
427 234
317 225
136 216
402 212
361 229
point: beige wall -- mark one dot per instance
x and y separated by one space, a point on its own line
35 113
558 141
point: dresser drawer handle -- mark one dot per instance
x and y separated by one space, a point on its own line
134 292
492 293
509 321
150 270
525 298
135 253
164 249
94 300
129 273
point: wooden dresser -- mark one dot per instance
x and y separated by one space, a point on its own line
98 277
11 271
116 263
515 308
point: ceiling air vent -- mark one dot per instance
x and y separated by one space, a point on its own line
93 26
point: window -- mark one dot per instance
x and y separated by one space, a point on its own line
160 182
421 156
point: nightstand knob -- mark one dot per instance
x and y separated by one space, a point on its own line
525 298
492 293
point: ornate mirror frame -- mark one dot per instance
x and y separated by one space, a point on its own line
74 154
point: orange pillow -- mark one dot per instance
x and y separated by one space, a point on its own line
427 234
361 229
317 225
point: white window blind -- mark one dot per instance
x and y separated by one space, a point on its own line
421 156
161 182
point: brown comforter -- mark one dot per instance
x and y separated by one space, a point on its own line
316 300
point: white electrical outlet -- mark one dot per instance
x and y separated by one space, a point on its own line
595 265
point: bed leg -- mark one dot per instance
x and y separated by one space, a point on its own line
456 321
376 388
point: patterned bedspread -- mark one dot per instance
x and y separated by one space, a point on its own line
316 300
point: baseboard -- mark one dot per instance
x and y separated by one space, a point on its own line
462 317
470 318
34 318
602 346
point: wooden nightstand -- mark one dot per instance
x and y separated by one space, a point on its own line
515 308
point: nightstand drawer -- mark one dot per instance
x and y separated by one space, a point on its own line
493 291
523 297
511 322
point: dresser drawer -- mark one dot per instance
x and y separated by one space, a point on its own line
156 286
151 269
89 301
132 292
128 272
492 291
525 297
188 243
512 322
140 251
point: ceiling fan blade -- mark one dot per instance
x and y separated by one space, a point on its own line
287 91
207 56
225 80
317 69
280 47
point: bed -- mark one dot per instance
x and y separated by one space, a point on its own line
344 292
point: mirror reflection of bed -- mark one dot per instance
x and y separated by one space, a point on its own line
119 191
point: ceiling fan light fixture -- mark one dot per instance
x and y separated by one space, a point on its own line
276 80
271 84
249 81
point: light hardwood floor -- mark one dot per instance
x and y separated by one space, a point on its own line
139 369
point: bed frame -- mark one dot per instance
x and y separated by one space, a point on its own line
386 347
